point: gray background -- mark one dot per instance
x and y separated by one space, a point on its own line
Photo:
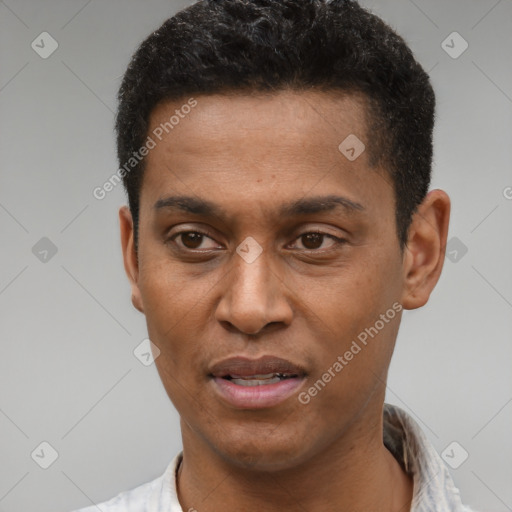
68 330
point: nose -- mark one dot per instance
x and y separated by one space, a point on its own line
255 297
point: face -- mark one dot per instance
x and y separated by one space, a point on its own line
266 256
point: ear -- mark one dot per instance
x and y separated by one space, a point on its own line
131 265
425 250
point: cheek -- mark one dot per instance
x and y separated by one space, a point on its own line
354 299
361 319
169 309
178 310
167 293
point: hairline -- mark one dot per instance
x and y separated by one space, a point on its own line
378 153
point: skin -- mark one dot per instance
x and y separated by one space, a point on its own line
303 299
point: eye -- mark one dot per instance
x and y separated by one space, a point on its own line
195 240
191 240
313 240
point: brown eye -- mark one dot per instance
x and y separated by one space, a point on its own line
313 240
191 240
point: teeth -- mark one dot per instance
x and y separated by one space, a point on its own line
256 382
255 377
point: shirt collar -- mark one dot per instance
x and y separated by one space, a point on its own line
434 488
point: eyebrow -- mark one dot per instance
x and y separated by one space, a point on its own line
303 206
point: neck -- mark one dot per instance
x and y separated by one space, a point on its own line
356 472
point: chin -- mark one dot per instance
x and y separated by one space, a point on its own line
259 453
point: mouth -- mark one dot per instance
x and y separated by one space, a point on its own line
259 380
256 383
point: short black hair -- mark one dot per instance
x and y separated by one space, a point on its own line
231 46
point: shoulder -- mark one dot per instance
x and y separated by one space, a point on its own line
147 497
134 500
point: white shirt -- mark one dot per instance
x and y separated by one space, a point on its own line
434 490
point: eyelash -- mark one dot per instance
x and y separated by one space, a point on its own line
338 241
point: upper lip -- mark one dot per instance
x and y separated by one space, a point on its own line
246 367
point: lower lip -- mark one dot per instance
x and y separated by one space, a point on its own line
256 397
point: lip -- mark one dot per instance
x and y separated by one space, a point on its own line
245 367
255 397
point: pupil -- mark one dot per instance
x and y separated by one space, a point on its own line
315 237
192 236
310 240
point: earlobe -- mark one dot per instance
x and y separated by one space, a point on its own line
424 254
137 303
129 256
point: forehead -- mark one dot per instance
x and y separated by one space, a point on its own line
235 147
311 118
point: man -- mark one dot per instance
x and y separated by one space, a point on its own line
277 158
